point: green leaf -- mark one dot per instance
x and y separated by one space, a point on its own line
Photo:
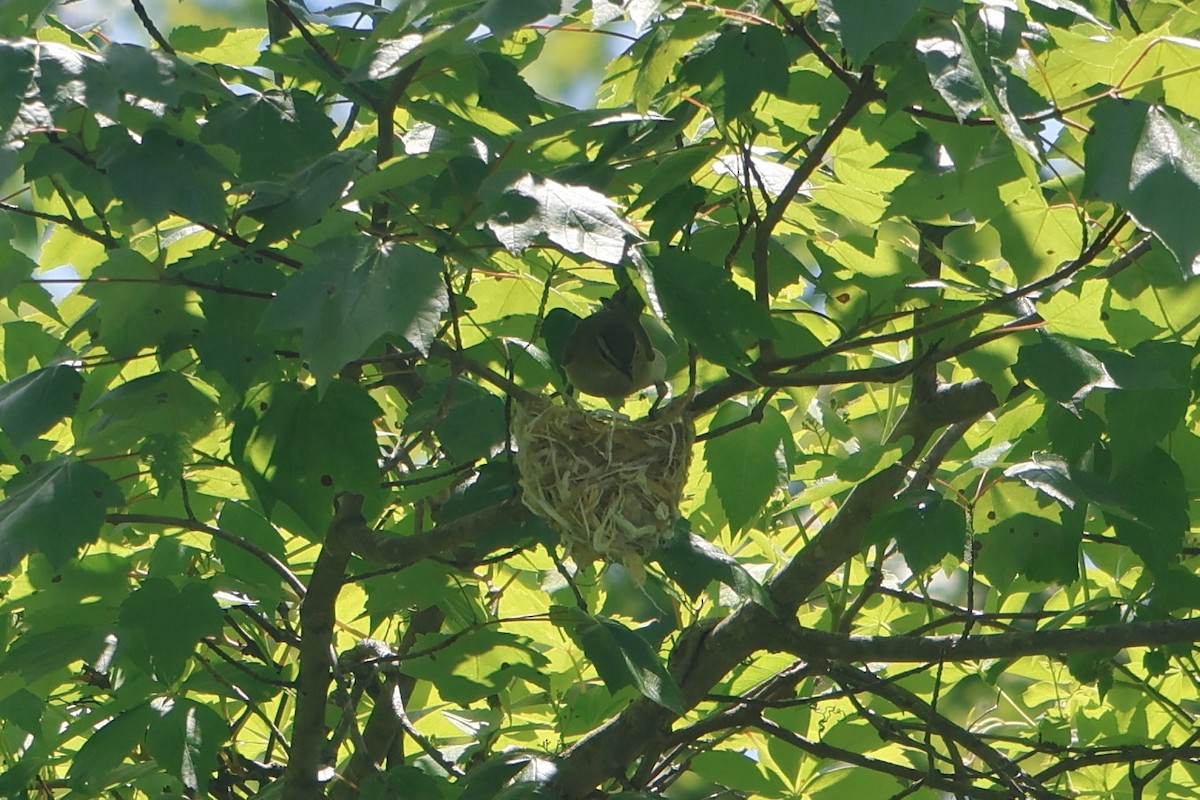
736 770
747 463
1074 8
167 454
165 624
17 68
470 421
503 90
1142 158
1050 475
488 779
1151 365
1061 369
166 174
25 709
1095 666
693 562
1036 238
230 343
1027 545
675 210
299 448
621 657
137 305
136 72
502 17
229 46
37 654
754 60
576 218
1175 587
1138 419
259 579
968 80
926 528
356 292
55 507
185 738
301 200
67 77
389 57
667 44
863 25
1072 436
1154 500
413 783
270 132
704 307
474 666
162 403
31 404
103 752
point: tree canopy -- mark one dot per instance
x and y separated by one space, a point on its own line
923 275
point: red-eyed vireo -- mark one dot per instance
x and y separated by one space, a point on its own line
609 354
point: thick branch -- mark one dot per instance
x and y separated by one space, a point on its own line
317 617
387 548
811 645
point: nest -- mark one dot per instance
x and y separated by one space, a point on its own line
611 487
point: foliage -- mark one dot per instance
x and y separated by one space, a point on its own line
924 272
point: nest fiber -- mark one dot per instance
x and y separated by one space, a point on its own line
610 486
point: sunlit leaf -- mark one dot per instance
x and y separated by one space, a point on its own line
578 219
747 462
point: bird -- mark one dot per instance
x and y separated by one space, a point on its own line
609 354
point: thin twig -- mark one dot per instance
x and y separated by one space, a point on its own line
262 555
151 28
108 241
337 69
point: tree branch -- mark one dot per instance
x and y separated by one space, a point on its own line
810 644
893 373
796 26
1089 255
461 360
151 28
863 92
337 69
935 780
386 548
108 241
250 547
1022 784
317 616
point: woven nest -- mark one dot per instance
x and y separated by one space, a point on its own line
611 487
